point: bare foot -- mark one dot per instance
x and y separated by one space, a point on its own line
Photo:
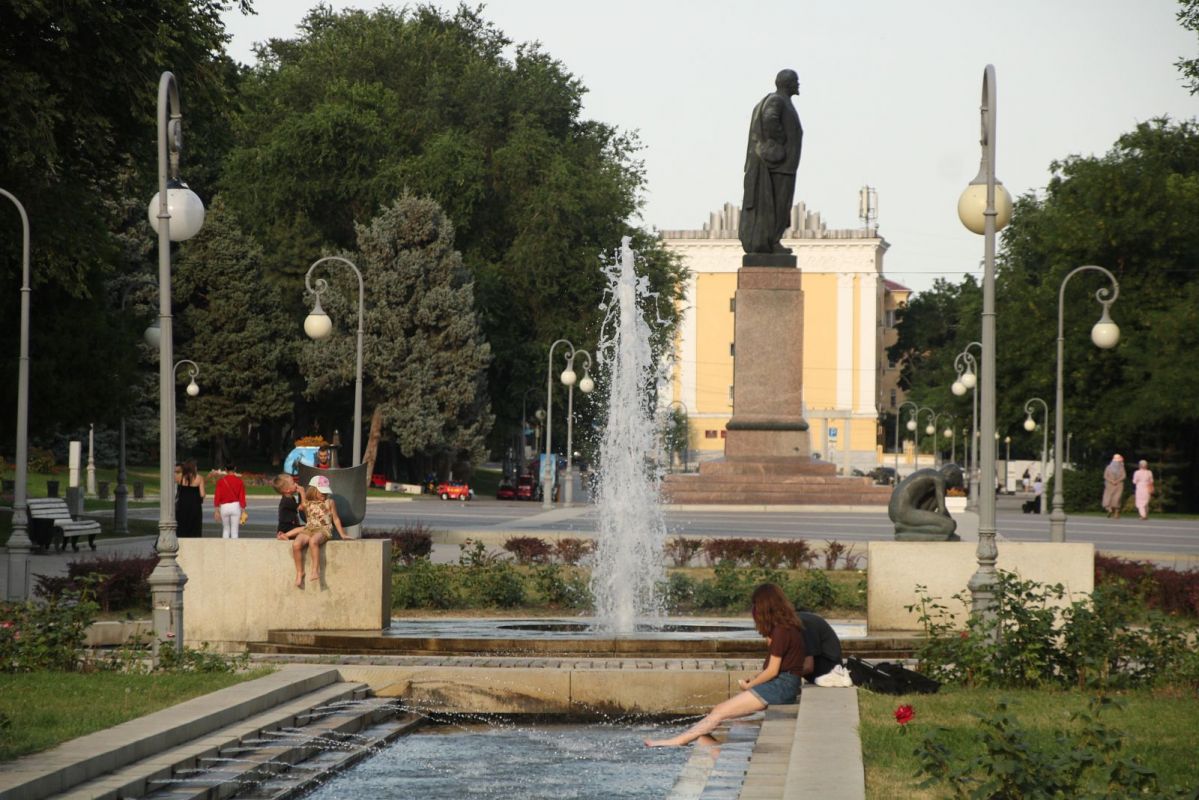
299 580
662 743
315 576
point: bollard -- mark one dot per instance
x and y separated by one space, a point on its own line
139 490
51 488
102 490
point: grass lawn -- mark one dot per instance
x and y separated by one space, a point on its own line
47 708
1159 729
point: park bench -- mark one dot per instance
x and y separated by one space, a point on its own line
53 511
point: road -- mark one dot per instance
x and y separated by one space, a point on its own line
1159 538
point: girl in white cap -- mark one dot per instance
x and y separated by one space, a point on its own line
321 513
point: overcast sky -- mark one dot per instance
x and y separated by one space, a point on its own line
889 95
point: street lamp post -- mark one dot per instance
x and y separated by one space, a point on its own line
1030 425
1105 334
586 386
1007 462
177 214
898 414
914 425
985 207
686 429
947 433
318 326
967 371
548 468
524 427
18 541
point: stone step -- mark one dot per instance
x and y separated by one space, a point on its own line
789 480
772 467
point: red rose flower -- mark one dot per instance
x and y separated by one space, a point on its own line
904 714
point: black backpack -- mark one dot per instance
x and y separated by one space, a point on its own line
887 677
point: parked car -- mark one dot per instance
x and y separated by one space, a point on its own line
505 491
526 488
454 490
883 475
379 480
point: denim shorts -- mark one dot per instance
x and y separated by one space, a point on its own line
780 690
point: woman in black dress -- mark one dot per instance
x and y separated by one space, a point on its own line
189 502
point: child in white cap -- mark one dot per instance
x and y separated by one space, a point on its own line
321 513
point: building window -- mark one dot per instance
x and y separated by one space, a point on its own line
709 434
889 315
893 398
724 434
732 349
733 305
730 394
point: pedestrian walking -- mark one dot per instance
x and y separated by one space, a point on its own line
1142 479
1113 485
229 497
189 502
1026 480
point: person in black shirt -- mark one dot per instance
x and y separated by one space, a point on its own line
821 644
289 503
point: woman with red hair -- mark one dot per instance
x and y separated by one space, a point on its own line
782 672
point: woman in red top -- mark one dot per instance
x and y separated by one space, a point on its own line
782 672
230 501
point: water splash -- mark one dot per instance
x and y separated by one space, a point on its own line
632 529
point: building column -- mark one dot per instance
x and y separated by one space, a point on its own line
844 398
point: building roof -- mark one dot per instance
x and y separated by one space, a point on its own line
894 286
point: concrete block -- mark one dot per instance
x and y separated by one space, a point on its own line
650 692
238 589
483 690
945 569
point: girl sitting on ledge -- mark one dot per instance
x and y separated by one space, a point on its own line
321 513
782 672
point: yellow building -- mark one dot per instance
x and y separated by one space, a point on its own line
847 381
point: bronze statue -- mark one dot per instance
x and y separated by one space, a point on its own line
771 161
917 505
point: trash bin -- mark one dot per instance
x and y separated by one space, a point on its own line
51 488
139 490
102 490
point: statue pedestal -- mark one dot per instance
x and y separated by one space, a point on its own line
768 367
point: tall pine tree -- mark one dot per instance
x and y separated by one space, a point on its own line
425 359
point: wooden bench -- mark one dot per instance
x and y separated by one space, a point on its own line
53 510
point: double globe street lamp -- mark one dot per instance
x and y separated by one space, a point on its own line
586 385
967 381
177 214
568 378
1105 334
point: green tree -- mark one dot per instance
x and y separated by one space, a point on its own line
425 359
362 106
77 140
232 324
1188 17
1128 211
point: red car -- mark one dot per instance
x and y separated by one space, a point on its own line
454 490
379 480
526 489
505 491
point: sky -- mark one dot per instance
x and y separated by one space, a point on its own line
889 95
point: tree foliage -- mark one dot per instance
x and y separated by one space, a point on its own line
362 107
1188 17
1129 211
232 324
425 360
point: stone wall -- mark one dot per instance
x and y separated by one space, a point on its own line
239 589
895 568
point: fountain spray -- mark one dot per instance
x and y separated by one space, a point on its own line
632 529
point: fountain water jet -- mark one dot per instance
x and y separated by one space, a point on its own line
632 532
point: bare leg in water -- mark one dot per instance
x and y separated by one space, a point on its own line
742 705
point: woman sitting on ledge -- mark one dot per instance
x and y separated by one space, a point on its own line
321 513
778 683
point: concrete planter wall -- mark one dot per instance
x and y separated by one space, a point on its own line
238 589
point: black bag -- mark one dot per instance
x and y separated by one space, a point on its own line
889 678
